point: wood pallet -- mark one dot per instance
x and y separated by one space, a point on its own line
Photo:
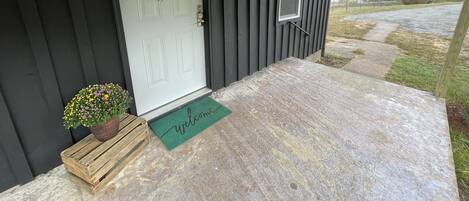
98 162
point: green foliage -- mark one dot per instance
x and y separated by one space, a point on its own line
334 60
414 72
420 64
359 51
339 27
460 144
95 105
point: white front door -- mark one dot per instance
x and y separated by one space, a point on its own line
165 49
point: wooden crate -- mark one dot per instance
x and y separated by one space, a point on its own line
98 162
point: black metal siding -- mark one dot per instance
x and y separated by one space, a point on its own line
49 49
246 36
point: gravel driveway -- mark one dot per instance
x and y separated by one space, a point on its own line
439 20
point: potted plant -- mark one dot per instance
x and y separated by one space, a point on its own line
98 107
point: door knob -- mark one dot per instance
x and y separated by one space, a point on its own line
200 16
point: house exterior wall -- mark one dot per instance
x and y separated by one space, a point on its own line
49 49
245 36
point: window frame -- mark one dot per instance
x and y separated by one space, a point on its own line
281 19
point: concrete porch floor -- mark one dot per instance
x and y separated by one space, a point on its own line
298 131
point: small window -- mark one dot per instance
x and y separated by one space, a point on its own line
289 9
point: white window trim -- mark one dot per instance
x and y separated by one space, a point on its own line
289 17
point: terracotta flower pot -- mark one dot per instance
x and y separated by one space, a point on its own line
107 130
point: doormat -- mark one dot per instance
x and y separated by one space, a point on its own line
188 121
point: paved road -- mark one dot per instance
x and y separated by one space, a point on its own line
439 20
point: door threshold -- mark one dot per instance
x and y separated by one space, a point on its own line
176 104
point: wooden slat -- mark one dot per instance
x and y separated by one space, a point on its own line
86 149
123 116
85 141
120 166
93 166
77 169
78 146
122 148
126 121
90 157
97 163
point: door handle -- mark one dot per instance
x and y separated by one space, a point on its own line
200 16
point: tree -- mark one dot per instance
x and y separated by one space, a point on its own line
453 51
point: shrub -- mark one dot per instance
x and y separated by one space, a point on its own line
95 105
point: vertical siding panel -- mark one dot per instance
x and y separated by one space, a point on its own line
309 25
318 26
263 24
321 23
278 34
243 38
291 38
53 142
304 15
271 33
253 36
315 28
80 25
296 40
312 25
326 21
102 29
217 44
278 42
231 42
285 38
11 145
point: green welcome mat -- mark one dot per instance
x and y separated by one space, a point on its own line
188 121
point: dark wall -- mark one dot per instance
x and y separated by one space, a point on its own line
49 49
245 36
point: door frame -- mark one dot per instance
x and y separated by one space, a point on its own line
125 58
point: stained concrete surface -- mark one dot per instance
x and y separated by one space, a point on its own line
298 131
375 62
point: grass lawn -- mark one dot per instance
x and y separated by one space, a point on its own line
334 60
419 66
